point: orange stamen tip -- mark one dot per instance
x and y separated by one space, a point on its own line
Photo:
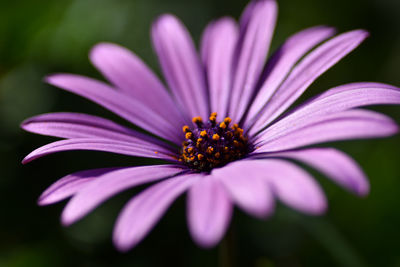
235 126
185 128
188 135
197 119
210 150
215 137
214 114
200 156
156 152
227 120
222 125
190 150
203 133
217 155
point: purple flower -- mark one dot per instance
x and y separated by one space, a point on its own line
239 146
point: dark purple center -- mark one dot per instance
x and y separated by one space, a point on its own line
213 144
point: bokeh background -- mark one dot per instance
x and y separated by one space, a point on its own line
42 36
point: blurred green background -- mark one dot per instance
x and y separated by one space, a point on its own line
41 37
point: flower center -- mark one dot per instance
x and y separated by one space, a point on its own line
213 144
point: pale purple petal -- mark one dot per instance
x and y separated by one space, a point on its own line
336 100
128 72
306 72
79 125
218 43
246 187
283 60
289 183
209 211
335 164
350 124
292 185
348 96
181 65
252 50
110 184
143 211
97 144
119 103
246 15
69 185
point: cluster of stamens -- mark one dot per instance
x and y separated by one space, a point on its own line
212 144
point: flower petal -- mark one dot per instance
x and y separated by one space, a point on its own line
69 185
209 211
181 65
119 103
339 99
283 60
79 125
246 187
125 70
350 124
217 47
97 144
252 50
110 184
293 186
306 72
335 164
143 211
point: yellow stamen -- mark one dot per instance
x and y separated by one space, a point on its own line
227 120
185 129
203 133
198 143
197 120
239 131
213 117
188 135
222 125
200 156
190 150
210 150
215 137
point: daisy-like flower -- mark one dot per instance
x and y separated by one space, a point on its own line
221 125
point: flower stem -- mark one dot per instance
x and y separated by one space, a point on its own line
227 249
